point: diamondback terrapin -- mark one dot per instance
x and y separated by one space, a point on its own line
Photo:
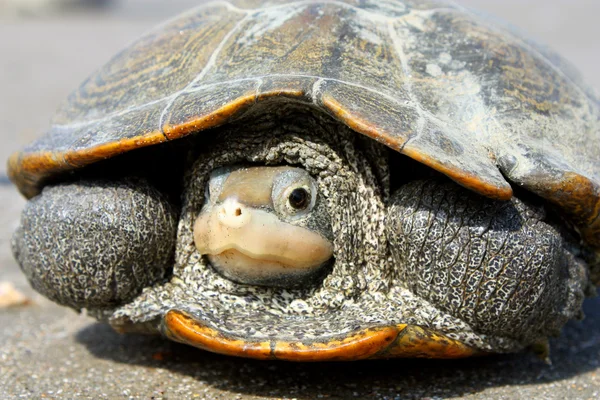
318 180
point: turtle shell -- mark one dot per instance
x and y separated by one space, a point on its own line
430 79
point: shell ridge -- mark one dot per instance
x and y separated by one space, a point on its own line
209 64
316 90
81 124
308 76
372 14
259 84
506 32
259 77
407 84
426 118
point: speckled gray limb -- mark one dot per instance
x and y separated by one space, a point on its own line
96 244
499 266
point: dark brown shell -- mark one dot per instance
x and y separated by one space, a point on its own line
427 78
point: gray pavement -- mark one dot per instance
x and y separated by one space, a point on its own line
50 352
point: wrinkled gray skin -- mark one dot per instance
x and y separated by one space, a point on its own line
496 275
499 266
96 244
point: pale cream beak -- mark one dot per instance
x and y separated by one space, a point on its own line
250 245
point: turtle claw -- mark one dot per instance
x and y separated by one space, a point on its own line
541 349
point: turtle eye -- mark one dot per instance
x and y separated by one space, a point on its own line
294 194
299 199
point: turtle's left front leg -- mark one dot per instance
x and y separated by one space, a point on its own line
499 266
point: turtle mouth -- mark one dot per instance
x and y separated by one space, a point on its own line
237 264
232 257
251 246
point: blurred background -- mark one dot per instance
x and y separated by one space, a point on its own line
47 47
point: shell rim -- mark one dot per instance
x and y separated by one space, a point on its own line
30 171
377 342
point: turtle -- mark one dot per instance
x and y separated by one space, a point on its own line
320 180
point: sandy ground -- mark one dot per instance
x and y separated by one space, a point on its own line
50 352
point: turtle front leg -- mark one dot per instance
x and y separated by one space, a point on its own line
96 244
499 266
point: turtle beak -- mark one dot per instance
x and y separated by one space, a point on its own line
254 246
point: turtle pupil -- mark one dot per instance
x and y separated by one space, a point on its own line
299 199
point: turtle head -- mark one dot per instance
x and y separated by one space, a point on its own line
264 225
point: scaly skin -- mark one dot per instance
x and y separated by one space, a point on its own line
499 266
96 244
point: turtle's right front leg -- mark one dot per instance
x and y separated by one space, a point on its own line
96 244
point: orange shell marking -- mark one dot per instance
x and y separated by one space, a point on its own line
419 342
579 197
215 118
28 170
379 342
467 180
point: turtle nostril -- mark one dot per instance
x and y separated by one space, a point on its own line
233 214
225 212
